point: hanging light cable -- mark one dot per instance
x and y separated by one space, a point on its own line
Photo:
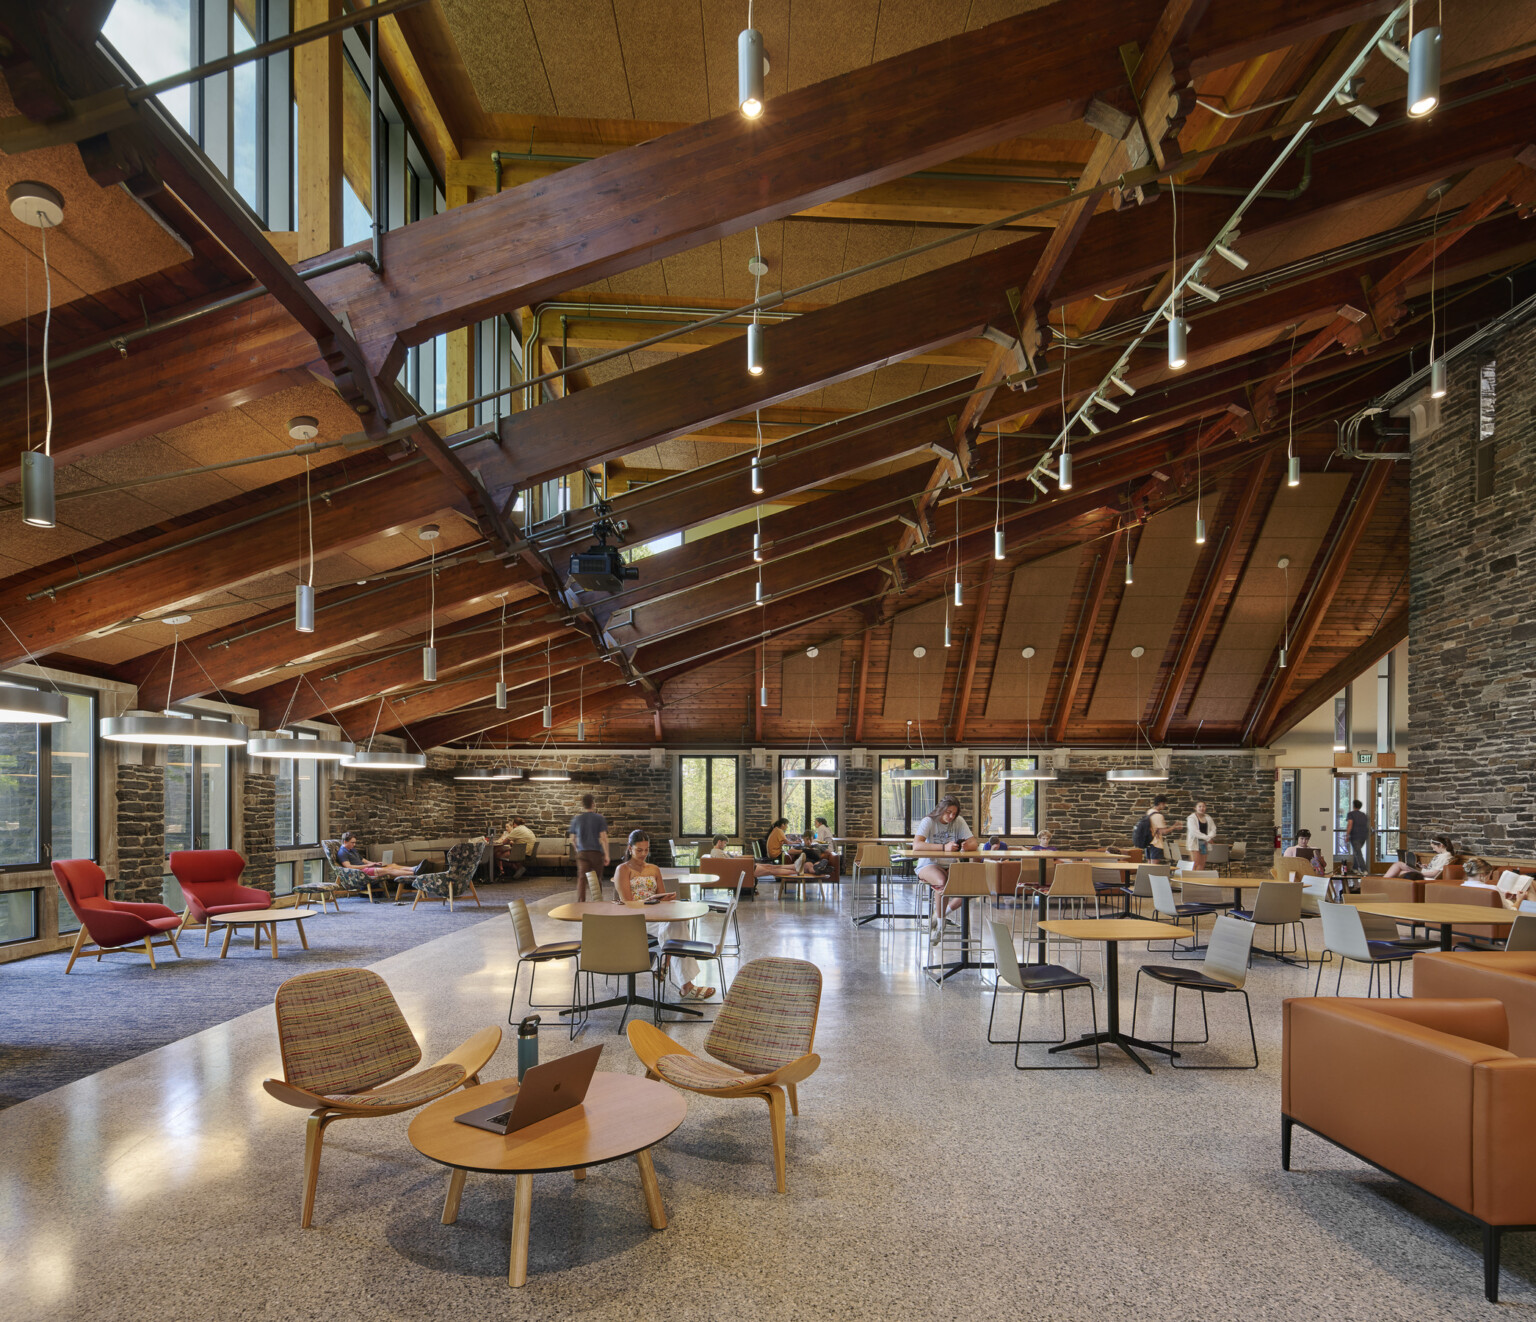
581 704
1178 330
1130 574
429 534
1436 364
304 592
1030 771
1199 473
757 538
958 602
26 705
1284 564
42 207
501 657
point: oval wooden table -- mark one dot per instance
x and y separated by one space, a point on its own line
623 1115
256 919
668 911
1443 916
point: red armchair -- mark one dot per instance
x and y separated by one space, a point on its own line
210 880
110 924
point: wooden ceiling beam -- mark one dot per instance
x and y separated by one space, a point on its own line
1077 660
350 616
973 640
1223 567
1340 676
465 643
523 719
1326 585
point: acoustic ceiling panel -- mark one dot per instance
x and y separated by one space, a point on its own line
810 684
1036 617
913 685
1295 527
1165 559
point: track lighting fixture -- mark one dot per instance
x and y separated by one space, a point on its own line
1089 423
1064 470
1230 255
1040 486
1423 71
1349 96
1178 342
1205 291
1106 403
1393 52
1121 384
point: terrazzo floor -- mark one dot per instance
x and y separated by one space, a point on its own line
927 1179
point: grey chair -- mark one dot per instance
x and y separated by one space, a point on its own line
1278 906
1225 972
531 953
349 879
1522 933
1036 980
613 944
1344 936
1141 888
1166 907
705 952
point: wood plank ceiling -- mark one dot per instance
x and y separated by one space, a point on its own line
627 195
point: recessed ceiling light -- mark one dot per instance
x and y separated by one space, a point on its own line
175 619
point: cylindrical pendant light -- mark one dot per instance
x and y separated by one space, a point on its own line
1424 72
1282 658
762 693
1293 471
757 477
946 633
958 602
1178 342
1437 379
759 595
757 547
999 549
37 489
549 716
1199 531
1064 471
304 608
429 664
501 695
1130 574
581 732
755 348
501 657
749 72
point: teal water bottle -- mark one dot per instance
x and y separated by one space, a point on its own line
527 1045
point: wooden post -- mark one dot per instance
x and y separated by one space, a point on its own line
858 707
317 90
461 348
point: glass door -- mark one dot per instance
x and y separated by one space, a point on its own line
1387 819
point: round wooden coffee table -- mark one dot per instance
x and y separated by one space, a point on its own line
256 919
623 1116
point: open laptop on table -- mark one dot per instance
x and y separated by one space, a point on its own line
546 1090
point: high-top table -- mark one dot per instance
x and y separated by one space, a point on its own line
668 911
623 1115
1112 931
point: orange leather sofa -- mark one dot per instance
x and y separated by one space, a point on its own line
1425 1090
1507 976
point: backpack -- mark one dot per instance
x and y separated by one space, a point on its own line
1141 834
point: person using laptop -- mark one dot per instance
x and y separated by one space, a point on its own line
637 878
350 855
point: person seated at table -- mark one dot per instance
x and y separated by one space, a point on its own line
637 878
1303 849
1445 855
350 855
718 849
823 835
943 831
995 842
773 846
514 832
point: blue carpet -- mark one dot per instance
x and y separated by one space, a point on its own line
57 1029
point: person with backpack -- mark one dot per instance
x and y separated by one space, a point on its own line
1150 834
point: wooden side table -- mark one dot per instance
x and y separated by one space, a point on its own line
623 1115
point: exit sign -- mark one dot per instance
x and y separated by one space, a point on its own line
1365 759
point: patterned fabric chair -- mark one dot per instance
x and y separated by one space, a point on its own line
110 924
340 878
761 1043
463 861
346 1049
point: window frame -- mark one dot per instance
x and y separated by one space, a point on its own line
45 838
787 761
1010 762
291 765
907 760
711 825
196 765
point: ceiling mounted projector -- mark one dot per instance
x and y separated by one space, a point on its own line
601 568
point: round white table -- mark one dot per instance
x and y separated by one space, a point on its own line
667 911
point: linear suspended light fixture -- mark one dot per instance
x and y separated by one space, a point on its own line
290 745
41 207
488 774
810 773
24 706
918 773
1135 773
549 774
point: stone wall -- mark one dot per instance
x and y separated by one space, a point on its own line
260 833
383 806
1082 808
140 833
1472 622
859 815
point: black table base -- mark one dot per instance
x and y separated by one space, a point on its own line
1112 1036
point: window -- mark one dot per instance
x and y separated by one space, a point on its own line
803 801
1484 456
1386 715
1341 722
48 788
298 803
1008 807
196 797
1290 805
1389 819
904 803
18 917
243 119
707 795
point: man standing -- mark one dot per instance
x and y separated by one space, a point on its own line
1157 819
1359 831
589 834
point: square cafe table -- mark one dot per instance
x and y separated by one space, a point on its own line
1444 916
1112 931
